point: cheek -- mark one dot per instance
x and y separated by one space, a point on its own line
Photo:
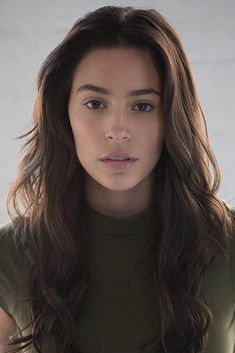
153 137
78 126
84 139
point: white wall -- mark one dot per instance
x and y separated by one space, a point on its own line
29 30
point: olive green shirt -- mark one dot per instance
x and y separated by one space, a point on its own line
122 314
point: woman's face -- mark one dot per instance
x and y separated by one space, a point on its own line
111 119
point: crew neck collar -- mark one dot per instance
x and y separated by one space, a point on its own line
103 223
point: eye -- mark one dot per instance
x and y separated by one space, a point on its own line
143 105
94 104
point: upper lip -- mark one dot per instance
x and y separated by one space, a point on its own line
118 154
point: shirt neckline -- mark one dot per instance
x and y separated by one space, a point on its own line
102 223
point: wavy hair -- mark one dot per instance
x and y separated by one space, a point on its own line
47 196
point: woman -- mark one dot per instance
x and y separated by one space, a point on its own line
117 240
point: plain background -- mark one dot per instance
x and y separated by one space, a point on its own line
30 29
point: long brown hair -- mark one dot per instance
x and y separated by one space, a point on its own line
49 214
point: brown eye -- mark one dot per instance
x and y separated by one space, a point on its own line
143 106
95 104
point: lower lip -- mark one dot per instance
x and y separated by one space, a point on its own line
119 164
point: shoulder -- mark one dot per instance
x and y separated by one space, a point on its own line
231 240
231 252
12 254
5 229
11 238
231 209
9 252
14 267
7 238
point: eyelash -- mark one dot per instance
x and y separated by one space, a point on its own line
143 103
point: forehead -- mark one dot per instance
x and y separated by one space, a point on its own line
118 65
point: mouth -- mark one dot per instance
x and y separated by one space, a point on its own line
119 164
119 156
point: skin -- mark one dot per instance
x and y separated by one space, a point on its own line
117 122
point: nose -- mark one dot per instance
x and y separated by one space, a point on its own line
117 129
118 136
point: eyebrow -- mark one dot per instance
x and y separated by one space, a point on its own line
137 92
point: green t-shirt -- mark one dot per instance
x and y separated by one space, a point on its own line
122 313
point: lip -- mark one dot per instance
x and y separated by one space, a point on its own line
119 164
119 154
